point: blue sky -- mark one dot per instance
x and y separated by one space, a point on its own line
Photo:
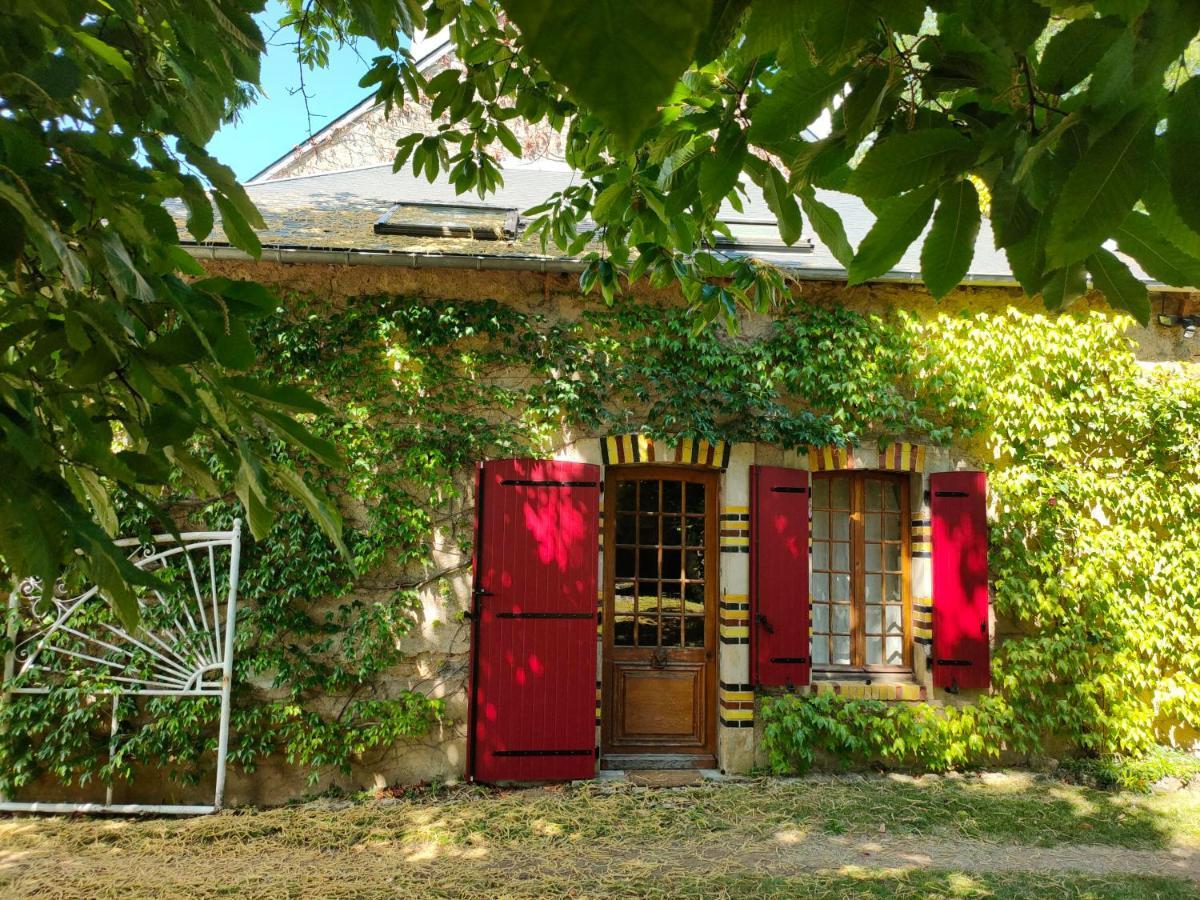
277 123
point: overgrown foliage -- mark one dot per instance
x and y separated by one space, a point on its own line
114 368
1094 467
1095 480
671 108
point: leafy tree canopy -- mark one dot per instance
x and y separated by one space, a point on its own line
121 364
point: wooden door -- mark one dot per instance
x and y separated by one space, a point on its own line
533 679
660 611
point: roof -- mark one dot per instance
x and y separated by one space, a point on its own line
337 211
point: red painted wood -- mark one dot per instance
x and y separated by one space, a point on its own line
958 507
533 684
779 608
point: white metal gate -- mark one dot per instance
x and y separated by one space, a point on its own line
183 646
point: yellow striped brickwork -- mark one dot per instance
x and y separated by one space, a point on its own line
827 459
702 453
626 448
920 536
599 706
902 456
736 705
922 621
857 690
735 529
735 619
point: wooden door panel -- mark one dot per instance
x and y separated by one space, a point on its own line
657 708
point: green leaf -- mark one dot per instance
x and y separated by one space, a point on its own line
1064 287
284 396
620 59
950 245
1071 55
899 223
828 226
793 103
323 512
782 203
1161 260
720 169
909 159
106 52
722 23
612 203
1182 144
1123 291
1100 190
1161 206
237 230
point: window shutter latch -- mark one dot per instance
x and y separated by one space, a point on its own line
765 623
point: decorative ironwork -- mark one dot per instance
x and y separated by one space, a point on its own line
182 647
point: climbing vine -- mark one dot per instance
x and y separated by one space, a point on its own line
1095 468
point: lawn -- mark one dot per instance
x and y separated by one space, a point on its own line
999 835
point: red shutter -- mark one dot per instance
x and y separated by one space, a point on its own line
533 679
779 576
958 507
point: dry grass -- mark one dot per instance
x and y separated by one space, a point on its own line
598 840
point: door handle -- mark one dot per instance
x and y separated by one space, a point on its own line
658 659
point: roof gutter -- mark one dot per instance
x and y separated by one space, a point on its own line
541 264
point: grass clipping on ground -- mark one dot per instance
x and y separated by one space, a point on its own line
599 839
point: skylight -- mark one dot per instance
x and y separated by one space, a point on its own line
450 220
758 235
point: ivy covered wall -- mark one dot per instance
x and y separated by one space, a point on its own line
1095 474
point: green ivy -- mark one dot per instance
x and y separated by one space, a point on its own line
1095 470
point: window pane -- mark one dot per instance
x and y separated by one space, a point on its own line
841 525
841 618
648 530
874 651
820 493
672 563
820 651
873 494
840 493
841 651
672 531
647 597
695 498
648 496
626 528
624 562
874 585
874 620
820 618
694 529
891 495
891 557
693 631
820 525
895 650
672 631
647 632
820 588
623 631
694 592
820 559
840 589
671 589
872 529
694 564
648 562
672 496
841 557
874 559
623 603
894 616
627 495
891 527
